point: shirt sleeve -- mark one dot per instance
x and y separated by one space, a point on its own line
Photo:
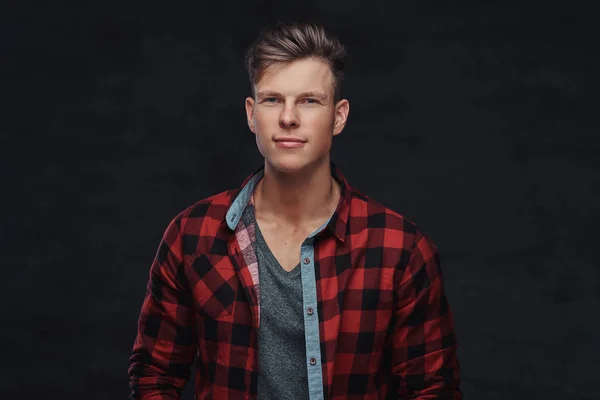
165 346
424 357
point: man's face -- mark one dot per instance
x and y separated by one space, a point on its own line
295 100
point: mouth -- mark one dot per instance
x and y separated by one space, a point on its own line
288 144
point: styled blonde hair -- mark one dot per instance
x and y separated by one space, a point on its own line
294 41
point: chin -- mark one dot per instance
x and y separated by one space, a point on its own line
289 165
295 163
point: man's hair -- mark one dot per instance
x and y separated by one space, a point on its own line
294 41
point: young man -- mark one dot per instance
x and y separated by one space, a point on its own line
295 285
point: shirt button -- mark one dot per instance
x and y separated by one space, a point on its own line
309 311
306 260
313 361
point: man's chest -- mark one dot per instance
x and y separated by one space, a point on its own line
285 248
284 242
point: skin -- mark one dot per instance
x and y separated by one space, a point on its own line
297 192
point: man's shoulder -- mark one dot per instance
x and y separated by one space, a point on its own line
388 227
379 215
213 208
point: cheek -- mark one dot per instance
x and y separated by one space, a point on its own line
322 123
313 119
262 123
266 115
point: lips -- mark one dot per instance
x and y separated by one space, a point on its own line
289 142
289 139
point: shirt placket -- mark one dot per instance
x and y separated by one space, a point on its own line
311 316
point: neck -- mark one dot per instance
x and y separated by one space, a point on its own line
299 199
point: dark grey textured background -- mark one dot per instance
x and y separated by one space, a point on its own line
476 120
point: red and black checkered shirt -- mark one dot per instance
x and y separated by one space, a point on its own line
384 324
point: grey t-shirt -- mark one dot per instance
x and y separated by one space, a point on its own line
281 345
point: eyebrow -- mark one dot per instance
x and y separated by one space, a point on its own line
269 93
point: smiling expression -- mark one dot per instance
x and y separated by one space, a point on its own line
294 116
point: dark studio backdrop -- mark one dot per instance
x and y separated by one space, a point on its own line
476 120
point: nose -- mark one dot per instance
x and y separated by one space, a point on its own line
288 117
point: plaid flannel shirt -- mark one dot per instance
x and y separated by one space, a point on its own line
383 328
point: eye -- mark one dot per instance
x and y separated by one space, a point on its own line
270 99
311 101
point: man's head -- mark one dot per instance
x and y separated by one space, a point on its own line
296 72
291 42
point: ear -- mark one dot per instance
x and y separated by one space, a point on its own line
250 113
342 108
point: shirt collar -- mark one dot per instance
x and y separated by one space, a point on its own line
337 224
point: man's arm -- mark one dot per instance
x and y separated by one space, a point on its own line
424 355
165 344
